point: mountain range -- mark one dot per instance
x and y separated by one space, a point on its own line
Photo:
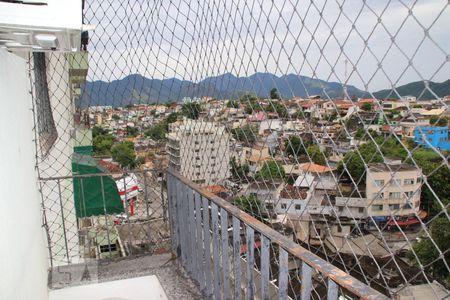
139 89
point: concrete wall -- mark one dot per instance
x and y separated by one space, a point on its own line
23 253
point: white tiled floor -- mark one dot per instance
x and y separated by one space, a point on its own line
140 288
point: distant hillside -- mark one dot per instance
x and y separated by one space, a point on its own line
138 89
417 89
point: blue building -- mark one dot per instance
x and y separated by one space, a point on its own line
432 136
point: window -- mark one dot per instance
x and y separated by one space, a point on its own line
394 195
197 174
213 172
379 182
108 248
377 207
196 142
46 127
394 206
407 206
378 195
339 229
283 206
197 158
298 207
361 209
396 182
419 179
197 150
341 208
409 194
408 181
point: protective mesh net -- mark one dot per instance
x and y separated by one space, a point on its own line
327 120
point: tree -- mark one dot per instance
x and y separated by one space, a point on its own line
316 154
276 106
366 106
245 134
132 131
157 132
97 130
140 160
172 118
438 121
102 144
124 154
250 204
115 117
294 147
274 94
355 166
238 171
233 104
270 170
428 255
191 110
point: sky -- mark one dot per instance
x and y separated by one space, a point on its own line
383 43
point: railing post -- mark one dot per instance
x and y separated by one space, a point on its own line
265 263
207 239
283 274
306 281
250 261
225 259
200 245
216 259
237 257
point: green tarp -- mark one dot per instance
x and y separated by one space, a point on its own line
89 200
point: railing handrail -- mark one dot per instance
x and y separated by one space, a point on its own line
330 271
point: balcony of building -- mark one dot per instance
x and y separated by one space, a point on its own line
185 243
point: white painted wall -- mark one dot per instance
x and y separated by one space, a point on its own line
23 254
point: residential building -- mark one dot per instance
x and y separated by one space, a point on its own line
393 189
199 150
432 137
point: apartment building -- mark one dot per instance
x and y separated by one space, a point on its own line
199 150
393 189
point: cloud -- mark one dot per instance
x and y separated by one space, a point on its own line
194 40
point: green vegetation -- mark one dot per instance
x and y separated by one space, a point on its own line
246 134
316 155
132 131
191 110
102 141
124 154
274 94
172 118
428 255
438 121
233 104
277 107
238 171
250 204
157 132
271 170
366 106
115 117
294 147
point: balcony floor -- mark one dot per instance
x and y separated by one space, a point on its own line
173 280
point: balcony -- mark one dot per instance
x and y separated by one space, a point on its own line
215 251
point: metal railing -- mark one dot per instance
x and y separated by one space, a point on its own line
225 250
104 216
